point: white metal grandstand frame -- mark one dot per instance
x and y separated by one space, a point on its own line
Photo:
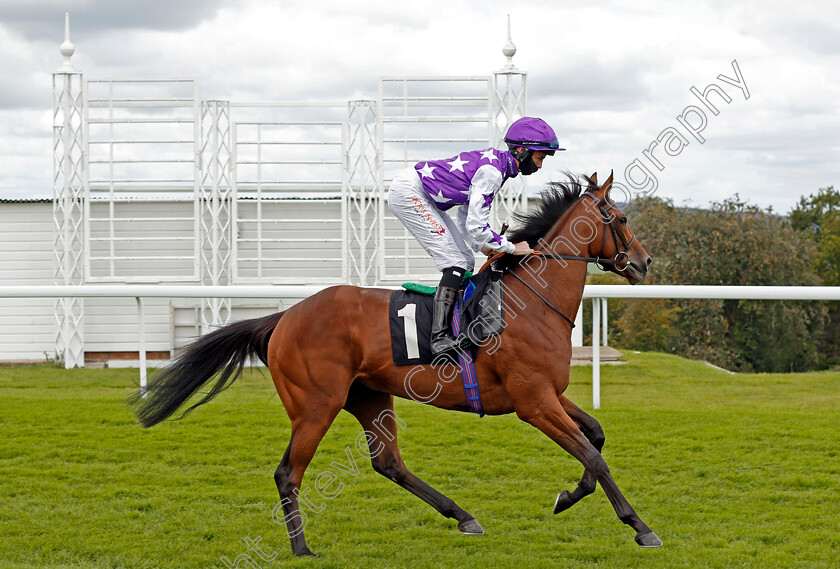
149 141
216 214
140 148
362 190
69 182
277 162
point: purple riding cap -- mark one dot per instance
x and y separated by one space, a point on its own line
534 134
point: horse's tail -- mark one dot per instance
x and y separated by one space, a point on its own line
223 352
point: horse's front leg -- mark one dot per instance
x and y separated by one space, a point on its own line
592 430
551 418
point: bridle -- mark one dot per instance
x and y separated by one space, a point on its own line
620 256
618 238
609 221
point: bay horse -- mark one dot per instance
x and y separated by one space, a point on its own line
332 351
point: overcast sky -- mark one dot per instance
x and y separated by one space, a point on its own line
610 77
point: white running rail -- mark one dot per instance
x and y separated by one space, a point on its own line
595 292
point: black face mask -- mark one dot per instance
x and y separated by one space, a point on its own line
527 166
525 158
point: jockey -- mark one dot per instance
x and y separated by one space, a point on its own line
420 195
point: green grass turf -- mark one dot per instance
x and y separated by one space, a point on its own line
729 470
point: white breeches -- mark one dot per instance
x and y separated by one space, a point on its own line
435 230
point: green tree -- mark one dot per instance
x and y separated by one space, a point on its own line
648 324
818 217
732 243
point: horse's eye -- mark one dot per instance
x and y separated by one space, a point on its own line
623 221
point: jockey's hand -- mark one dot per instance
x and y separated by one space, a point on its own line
522 248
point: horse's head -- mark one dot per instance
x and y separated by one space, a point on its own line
607 234
583 223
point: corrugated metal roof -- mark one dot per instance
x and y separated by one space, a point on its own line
156 198
25 200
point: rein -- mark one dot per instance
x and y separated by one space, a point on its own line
597 260
541 297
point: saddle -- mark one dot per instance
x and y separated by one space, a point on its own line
478 315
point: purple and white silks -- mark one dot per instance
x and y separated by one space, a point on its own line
420 197
470 179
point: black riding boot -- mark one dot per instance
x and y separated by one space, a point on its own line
444 301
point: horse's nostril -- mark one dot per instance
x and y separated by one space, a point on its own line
648 262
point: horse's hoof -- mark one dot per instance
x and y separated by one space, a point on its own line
307 553
471 527
564 502
649 540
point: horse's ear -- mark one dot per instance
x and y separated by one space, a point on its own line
608 184
593 179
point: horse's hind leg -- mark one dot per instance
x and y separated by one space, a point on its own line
375 411
592 430
307 432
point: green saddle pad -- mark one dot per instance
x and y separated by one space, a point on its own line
426 289
419 288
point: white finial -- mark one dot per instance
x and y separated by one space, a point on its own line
67 49
509 50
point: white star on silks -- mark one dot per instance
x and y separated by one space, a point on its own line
489 155
440 198
458 164
426 171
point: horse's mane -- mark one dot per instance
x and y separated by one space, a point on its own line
533 225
